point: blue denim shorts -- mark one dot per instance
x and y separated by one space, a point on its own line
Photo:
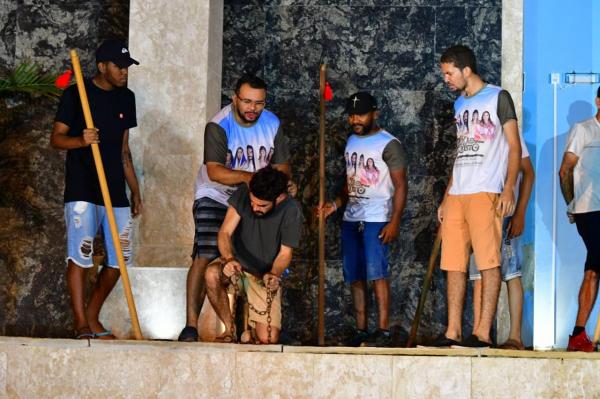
511 257
83 220
365 257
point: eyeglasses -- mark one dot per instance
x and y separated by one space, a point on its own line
246 101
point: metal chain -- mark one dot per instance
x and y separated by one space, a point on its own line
270 297
234 280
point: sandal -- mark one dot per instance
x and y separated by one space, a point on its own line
226 338
84 335
188 334
106 334
512 344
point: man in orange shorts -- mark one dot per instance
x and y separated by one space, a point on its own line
479 194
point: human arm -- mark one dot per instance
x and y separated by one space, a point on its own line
281 262
130 177
60 140
330 207
390 230
230 177
230 264
565 173
440 211
506 201
517 223
215 155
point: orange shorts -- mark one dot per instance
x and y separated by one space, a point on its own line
471 221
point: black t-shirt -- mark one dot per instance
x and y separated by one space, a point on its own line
113 112
257 240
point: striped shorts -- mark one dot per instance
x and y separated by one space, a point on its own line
208 217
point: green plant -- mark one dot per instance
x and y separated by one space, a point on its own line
28 78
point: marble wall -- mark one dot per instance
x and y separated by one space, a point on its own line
33 292
390 48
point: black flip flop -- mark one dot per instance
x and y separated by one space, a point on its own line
188 334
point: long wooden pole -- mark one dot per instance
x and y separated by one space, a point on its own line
321 327
106 196
597 332
432 262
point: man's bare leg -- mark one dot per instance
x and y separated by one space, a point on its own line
262 333
456 286
476 304
587 297
107 278
359 301
382 295
76 278
490 289
217 295
515 308
195 290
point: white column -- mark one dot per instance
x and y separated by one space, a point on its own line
512 81
177 87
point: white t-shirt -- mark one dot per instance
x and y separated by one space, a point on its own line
370 187
584 141
482 150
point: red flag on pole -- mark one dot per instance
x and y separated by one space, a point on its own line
63 81
328 93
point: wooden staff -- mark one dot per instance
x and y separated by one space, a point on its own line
597 332
432 262
106 196
321 325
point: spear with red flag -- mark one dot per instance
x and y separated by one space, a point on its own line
326 94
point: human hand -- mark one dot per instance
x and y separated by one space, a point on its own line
516 225
89 136
506 202
571 217
327 209
271 281
389 232
232 267
440 213
292 188
136 205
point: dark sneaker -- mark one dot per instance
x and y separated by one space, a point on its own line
472 342
580 343
358 338
188 334
380 338
440 342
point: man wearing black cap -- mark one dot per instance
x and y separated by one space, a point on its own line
113 110
375 196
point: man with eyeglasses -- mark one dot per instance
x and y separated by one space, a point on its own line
241 128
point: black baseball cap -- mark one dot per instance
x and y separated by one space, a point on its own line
360 103
115 51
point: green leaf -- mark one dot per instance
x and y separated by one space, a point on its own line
28 78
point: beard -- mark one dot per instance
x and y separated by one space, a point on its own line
365 128
243 117
260 214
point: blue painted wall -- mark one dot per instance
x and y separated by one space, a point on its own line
558 37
